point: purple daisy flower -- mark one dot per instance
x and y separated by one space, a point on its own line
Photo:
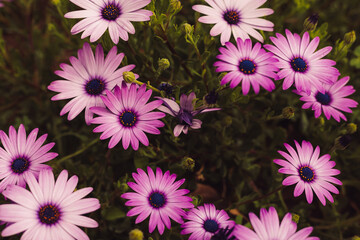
22 155
205 221
332 101
240 18
300 62
251 66
115 15
309 171
87 79
128 116
158 196
268 227
50 210
185 112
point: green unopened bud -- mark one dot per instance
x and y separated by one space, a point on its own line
228 121
311 22
222 75
188 28
124 187
355 238
163 64
136 234
288 112
350 38
56 2
175 5
351 128
150 238
129 77
188 164
342 142
295 217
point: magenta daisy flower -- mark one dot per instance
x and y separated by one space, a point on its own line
115 15
268 227
50 210
332 101
309 171
185 113
251 66
300 62
128 116
204 221
22 155
158 196
240 18
87 79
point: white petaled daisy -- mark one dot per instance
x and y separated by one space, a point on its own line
114 15
240 18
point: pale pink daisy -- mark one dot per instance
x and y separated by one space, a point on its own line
309 172
268 227
240 18
115 15
50 210
251 66
158 196
332 101
22 156
128 116
300 63
204 221
87 79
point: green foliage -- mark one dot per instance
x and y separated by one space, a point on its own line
234 149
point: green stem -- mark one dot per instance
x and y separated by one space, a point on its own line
78 152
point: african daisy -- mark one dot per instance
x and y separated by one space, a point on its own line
332 101
204 221
299 62
240 18
22 156
87 79
128 116
268 227
50 210
158 196
115 15
309 172
251 66
185 113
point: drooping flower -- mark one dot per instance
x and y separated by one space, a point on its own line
22 155
185 113
87 79
268 227
50 210
332 101
128 116
251 66
299 62
204 221
239 18
115 15
309 172
158 196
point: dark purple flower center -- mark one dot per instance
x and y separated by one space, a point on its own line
223 234
185 118
157 200
323 98
111 12
298 64
247 67
306 174
232 17
49 214
211 226
127 118
20 165
95 87
212 97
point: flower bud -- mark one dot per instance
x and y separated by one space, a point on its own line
163 64
175 5
311 22
295 217
188 28
288 112
129 77
166 89
211 97
350 38
136 234
188 164
343 141
351 128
